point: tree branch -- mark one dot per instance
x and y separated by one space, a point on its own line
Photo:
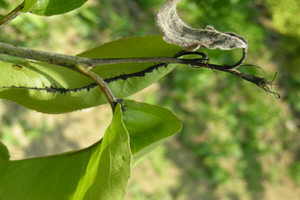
13 14
83 65
69 61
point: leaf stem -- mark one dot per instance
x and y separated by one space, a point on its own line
101 83
13 14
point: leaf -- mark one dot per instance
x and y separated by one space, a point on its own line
96 172
114 166
148 126
56 7
54 89
175 31
4 154
28 5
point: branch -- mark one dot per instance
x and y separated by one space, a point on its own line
13 14
171 26
83 65
69 61
260 82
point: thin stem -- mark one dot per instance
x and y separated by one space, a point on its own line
101 83
43 56
13 14
260 82
67 60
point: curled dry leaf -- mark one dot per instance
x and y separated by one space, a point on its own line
175 31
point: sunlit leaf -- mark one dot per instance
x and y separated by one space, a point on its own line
148 126
93 173
56 7
28 5
96 172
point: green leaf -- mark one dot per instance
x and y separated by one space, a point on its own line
28 5
56 7
4 154
96 172
54 89
148 126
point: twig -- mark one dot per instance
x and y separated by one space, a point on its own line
67 60
13 14
260 82
101 83
83 65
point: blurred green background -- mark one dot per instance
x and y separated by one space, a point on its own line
237 142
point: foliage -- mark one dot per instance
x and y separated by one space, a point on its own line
103 169
229 126
99 170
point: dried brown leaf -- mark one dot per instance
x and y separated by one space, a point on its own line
175 31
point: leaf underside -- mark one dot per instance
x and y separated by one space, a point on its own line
56 7
53 89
